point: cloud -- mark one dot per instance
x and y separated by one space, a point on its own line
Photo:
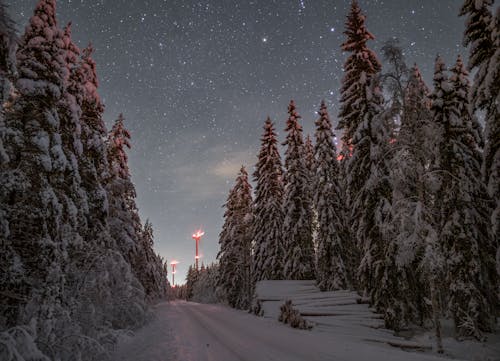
230 166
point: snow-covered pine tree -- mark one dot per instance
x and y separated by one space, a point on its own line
333 247
234 278
297 205
361 65
268 254
482 34
460 201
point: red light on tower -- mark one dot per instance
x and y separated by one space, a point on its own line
173 263
197 236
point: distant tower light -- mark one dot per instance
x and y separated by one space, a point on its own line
173 263
197 236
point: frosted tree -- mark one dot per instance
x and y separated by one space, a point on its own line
483 38
7 72
364 152
8 40
125 224
361 65
191 279
268 256
234 279
311 169
32 184
333 247
412 217
297 227
150 272
369 191
480 36
395 77
461 204
491 164
309 157
205 286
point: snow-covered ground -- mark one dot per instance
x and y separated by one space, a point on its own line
186 331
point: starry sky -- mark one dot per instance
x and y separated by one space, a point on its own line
195 81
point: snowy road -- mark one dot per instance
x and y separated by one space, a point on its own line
185 331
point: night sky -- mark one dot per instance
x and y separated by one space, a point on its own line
196 80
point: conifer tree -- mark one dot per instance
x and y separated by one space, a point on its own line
191 279
234 279
482 35
479 36
297 228
361 65
366 136
369 192
332 256
311 170
268 247
8 40
125 224
412 218
309 158
36 213
463 213
151 272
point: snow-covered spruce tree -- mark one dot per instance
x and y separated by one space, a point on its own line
482 35
460 201
8 43
151 272
311 168
37 216
124 222
369 192
204 288
234 279
333 247
297 205
191 279
361 65
491 164
7 72
268 256
412 218
309 157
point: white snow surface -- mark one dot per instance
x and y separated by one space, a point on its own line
186 331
